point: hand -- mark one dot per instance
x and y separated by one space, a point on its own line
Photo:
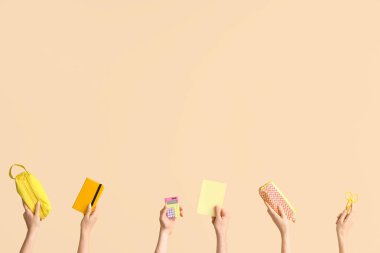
166 228
344 222
220 221
32 221
89 220
167 224
281 220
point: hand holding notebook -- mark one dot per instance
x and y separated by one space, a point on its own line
212 195
88 195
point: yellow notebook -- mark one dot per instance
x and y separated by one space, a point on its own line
89 194
212 194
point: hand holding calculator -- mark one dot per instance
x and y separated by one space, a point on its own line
173 209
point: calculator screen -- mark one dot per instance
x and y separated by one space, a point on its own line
171 201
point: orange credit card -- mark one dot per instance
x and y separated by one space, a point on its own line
89 194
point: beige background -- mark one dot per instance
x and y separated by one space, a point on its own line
150 97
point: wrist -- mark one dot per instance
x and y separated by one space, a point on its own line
340 235
220 234
31 235
164 232
284 235
84 232
32 230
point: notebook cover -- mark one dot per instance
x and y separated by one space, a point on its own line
89 194
212 194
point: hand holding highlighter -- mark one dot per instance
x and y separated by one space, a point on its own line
89 194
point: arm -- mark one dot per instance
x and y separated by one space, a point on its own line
220 222
285 243
32 223
282 223
166 229
88 222
343 224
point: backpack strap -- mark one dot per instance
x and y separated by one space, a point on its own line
14 165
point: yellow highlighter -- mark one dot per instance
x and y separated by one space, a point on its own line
89 194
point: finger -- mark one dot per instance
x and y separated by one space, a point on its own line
224 213
217 211
94 213
348 217
181 211
281 211
343 216
38 207
27 210
272 213
163 211
270 209
337 218
88 211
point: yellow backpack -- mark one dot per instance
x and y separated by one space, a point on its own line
31 191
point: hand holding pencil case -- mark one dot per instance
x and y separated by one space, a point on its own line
31 191
271 194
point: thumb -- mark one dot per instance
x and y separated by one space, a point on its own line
270 209
88 211
225 214
163 211
281 211
95 212
217 212
343 216
26 207
38 207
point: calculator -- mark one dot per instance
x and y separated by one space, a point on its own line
173 210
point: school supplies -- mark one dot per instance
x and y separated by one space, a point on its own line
351 198
31 191
271 194
212 194
89 194
173 209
